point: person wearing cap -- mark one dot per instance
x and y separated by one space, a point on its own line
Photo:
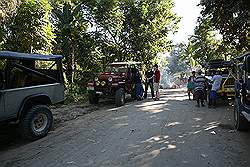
200 83
157 76
190 85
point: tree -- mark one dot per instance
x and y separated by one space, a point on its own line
204 44
30 29
7 10
232 20
75 43
134 30
148 24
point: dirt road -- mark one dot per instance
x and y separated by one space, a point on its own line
166 133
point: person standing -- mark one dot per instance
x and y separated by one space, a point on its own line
138 85
149 82
216 82
157 76
200 83
190 85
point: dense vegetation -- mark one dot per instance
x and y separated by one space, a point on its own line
229 19
91 33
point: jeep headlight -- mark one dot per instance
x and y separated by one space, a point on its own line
97 83
103 83
96 79
110 79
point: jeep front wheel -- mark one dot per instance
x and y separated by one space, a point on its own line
119 97
36 122
93 97
240 122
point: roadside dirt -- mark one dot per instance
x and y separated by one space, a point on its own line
170 132
71 112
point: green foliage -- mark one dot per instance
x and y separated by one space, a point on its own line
134 30
89 34
230 17
30 29
206 44
203 43
75 43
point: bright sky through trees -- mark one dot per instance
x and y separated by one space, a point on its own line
189 12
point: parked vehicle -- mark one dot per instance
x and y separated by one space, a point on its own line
115 82
28 84
228 76
242 95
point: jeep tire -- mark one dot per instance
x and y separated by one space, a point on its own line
240 122
36 123
119 97
93 97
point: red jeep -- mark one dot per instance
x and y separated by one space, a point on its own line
114 82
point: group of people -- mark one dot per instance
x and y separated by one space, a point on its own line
152 80
203 88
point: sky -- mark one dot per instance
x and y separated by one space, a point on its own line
189 12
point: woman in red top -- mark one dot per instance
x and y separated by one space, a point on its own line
157 76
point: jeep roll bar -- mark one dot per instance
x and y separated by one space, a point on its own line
33 71
28 56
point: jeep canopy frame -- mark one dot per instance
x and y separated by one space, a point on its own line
28 56
228 68
16 60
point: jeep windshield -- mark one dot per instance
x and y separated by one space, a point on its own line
116 69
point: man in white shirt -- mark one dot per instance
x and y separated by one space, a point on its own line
217 78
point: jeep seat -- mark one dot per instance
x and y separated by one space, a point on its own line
18 79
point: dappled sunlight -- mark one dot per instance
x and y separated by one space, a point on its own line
153 139
153 109
151 103
196 126
163 140
133 146
120 118
211 125
150 155
196 132
115 109
173 124
154 145
197 119
119 125
171 146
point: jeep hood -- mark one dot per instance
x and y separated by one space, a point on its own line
106 75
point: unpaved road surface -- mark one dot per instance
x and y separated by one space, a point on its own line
166 133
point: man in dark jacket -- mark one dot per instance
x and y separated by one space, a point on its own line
149 82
